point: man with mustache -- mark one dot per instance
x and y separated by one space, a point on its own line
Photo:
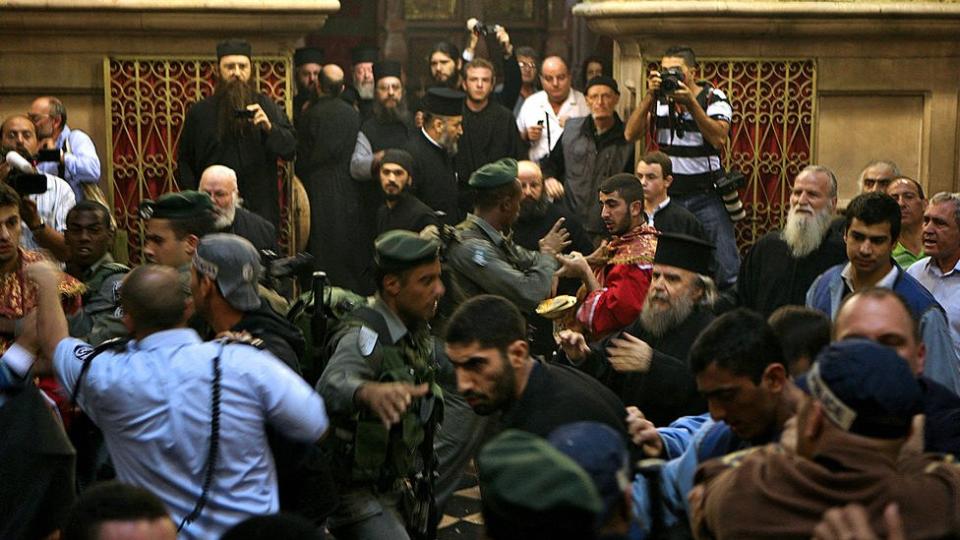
78 163
647 363
239 128
220 183
941 242
617 275
361 93
909 195
873 225
538 214
780 267
390 125
400 209
307 62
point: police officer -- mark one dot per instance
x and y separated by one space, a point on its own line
380 390
89 236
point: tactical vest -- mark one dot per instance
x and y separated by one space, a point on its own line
464 288
104 271
365 451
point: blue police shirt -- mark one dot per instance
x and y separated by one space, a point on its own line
152 402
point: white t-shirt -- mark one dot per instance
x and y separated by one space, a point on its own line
537 107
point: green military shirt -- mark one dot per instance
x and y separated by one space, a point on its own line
101 317
904 257
486 262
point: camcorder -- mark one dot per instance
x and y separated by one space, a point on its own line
670 80
727 187
23 178
244 113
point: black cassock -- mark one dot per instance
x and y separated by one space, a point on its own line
408 214
253 156
488 135
668 390
434 178
327 137
260 232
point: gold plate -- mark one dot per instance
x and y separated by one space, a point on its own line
551 308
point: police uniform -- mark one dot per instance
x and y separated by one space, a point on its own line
374 465
101 317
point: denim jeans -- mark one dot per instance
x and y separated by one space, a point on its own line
364 513
709 209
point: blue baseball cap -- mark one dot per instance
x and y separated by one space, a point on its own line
865 388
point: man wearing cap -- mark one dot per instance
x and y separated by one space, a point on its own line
853 423
617 275
361 93
217 131
602 453
590 149
485 260
530 489
647 364
381 377
389 126
166 398
400 209
489 129
872 229
326 138
307 62
433 150
220 183
174 225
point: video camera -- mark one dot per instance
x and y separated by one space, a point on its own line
278 267
23 177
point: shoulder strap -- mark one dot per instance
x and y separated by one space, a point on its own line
115 345
374 320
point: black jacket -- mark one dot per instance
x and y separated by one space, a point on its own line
280 337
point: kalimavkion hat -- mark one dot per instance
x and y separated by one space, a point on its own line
444 102
233 46
364 53
387 68
234 264
307 55
864 388
178 205
684 251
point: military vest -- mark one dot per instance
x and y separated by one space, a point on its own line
367 449
95 282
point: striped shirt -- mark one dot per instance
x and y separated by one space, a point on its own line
695 162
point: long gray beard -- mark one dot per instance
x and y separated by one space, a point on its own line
366 90
803 234
659 321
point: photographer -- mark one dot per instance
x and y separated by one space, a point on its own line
43 208
240 128
690 123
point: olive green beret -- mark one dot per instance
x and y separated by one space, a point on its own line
404 249
180 205
494 174
521 471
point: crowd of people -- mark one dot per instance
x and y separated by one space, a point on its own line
508 288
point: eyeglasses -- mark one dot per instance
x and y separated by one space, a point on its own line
527 65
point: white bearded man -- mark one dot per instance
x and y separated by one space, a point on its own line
781 266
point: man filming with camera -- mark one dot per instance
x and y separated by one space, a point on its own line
691 122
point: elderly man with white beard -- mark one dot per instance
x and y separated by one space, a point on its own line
647 364
781 266
220 183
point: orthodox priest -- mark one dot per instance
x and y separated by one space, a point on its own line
239 128
307 63
328 131
435 179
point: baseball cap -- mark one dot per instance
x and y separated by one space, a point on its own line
234 264
865 388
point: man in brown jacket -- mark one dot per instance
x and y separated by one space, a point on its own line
852 429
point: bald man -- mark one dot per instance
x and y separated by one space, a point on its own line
544 114
220 182
78 163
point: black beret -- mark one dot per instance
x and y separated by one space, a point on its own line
233 46
604 80
386 68
444 101
364 53
179 205
307 55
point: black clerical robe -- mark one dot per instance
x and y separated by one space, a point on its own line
488 135
668 390
327 138
771 276
383 135
252 156
434 177
260 232
674 218
363 106
408 214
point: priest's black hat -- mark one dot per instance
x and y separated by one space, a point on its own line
386 68
307 55
684 251
364 53
233 46
444 101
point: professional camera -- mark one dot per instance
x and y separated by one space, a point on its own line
23 177
278 267
670 80
474 25
726 186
